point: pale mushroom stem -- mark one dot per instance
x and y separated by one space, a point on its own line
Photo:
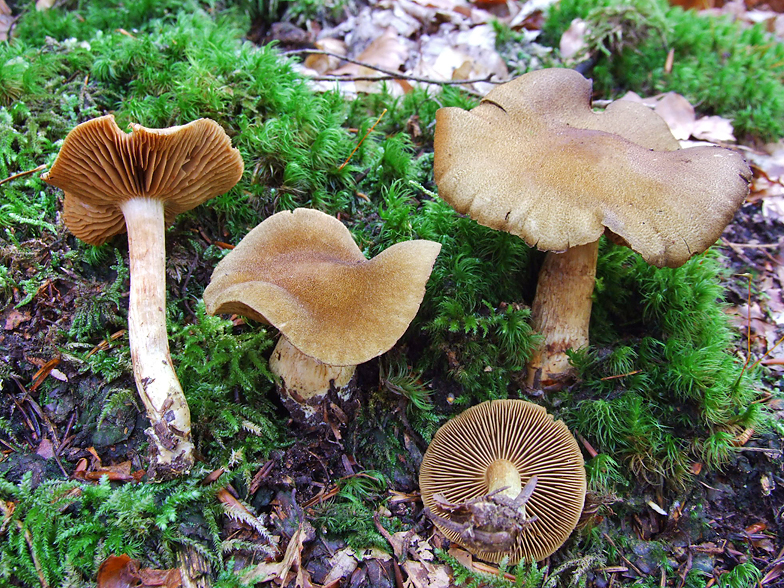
153 370
305 380
502 473
561 311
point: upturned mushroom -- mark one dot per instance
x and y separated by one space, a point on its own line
139 182
535 160
503 479
302 273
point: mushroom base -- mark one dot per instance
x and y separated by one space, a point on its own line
561 313
303 382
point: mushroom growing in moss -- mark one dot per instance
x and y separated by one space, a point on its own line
139 182
535 160
504 479
303 273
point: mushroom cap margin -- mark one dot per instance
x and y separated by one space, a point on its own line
99 167
534 160
303 273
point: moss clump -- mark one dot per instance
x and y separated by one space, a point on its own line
60 532
721 66
662 387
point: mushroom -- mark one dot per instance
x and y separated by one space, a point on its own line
303 273
504 479
534 160
141 181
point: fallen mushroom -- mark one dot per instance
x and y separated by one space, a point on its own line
472 475
302 273
534 160
141 181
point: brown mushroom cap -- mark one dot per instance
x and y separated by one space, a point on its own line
302 272
457 460
99 167
534 160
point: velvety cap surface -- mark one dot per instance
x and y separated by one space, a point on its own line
524 434
534 160
99 167
302 272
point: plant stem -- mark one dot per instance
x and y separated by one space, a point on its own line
561 311
502 473
153 371
304 381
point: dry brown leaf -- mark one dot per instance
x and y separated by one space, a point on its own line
678 113
45 449
426 575
14 318
714 129
6 20
343 564
386 52
123 572
321 64
572 44
120 472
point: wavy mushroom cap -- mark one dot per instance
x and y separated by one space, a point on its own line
534 160
303 273
456 462
99 167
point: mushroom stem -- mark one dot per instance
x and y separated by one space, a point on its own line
502 473
561 311
303 379
153 371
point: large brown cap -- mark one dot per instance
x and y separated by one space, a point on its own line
99 167
457 460
302 272
534 160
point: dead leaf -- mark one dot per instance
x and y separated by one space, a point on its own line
43 372
120 472
321 64
387 52
6 20
123 572
756 528
572 44
343 564
426 575
715 129
45 449
14 318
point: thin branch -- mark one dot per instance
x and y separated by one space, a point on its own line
370 130
24 173
388 74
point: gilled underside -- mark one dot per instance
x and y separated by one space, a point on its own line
456 466
181 166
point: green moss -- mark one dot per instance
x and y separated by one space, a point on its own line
721 66
663 369
60 528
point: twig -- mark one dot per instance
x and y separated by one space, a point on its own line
628 563
753 245
392 75
370 130
396 552
615 377
24 173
